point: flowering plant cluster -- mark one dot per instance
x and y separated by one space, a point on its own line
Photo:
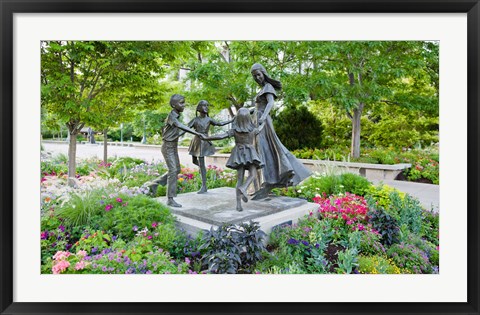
349 207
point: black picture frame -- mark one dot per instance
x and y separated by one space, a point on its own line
10 7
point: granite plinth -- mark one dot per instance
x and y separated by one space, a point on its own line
218 207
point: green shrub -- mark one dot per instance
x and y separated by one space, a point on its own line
355 184
300 122
382 196
125 216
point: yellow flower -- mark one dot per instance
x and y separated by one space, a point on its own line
181 179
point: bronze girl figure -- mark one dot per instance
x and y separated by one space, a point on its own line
200 148
244 156
281 167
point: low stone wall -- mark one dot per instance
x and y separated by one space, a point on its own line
370 171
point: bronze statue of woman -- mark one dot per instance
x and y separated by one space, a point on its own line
281 167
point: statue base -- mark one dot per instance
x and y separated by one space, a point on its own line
218 207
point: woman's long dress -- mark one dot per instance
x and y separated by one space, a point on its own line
281 167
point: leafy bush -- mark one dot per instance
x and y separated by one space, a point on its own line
382 196
298 121
385 224
125 216
229 248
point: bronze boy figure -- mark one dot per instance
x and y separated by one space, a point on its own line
171 132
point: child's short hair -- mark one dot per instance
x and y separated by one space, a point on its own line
175 99
200 104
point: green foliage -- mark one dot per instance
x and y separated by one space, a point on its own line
409 210
377 265
230 249
430 226
81 207
370 243
410 257
298 128
347 261
328 185
382 195
385 224
129 215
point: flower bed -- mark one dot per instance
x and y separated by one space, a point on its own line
108 224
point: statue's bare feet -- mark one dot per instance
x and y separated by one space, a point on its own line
239 207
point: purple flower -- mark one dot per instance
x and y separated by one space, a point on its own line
305 243
119 199
102 202
135 228
68 246
108 207
292 241
61 228
44 235
94 250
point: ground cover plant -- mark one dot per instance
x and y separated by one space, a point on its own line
108 223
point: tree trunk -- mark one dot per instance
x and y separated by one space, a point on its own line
356 129
105 146
72 154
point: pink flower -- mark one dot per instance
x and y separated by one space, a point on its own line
80 265
149 237
60 256
349 222
154 224
81 253
108 207
119 199
60 267
187 261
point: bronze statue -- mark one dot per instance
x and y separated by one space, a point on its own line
244 156
281 167
200 148
171 132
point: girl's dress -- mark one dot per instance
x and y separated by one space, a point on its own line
199 147
244 152
281 166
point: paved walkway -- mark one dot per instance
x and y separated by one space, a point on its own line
427 194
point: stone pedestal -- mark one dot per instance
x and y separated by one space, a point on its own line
218 206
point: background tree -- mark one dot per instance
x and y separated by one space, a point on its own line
93 82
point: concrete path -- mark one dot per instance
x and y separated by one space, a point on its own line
427 194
